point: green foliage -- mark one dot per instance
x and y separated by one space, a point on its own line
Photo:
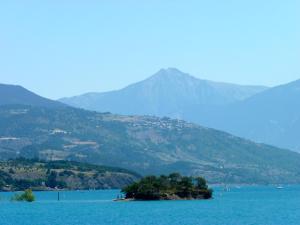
5 178
51 180
41 175
22 184
185 187
173 186
27 196
66 173
123 141
201 183
81 176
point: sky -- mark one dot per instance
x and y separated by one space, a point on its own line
60 48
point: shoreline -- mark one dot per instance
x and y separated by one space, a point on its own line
159 200
105 189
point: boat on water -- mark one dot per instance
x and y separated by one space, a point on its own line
279 187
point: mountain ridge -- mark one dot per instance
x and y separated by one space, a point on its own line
165 93
147 144
267 115
272 116
16 94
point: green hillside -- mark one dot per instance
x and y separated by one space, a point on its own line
21 174
148 145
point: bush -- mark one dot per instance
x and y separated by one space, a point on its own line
27 196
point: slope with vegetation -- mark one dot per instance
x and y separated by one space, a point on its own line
22 174
146 144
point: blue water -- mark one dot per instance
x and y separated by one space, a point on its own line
247 205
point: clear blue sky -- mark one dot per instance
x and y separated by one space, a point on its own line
62 48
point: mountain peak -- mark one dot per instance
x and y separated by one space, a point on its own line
169 92
171 73
170 70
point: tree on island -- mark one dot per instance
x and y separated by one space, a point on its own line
170 187
26 196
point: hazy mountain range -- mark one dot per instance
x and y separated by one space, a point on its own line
15 94
147 145
272 116
49 130
267 115
169 92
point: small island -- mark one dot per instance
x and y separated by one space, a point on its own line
172 187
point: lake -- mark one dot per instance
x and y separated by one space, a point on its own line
239 206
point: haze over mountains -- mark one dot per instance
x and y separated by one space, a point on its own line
145 144
267 115
272 116
169 92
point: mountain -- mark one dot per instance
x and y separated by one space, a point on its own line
14 95
169 92
21 174
272 116
266 115
149 145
